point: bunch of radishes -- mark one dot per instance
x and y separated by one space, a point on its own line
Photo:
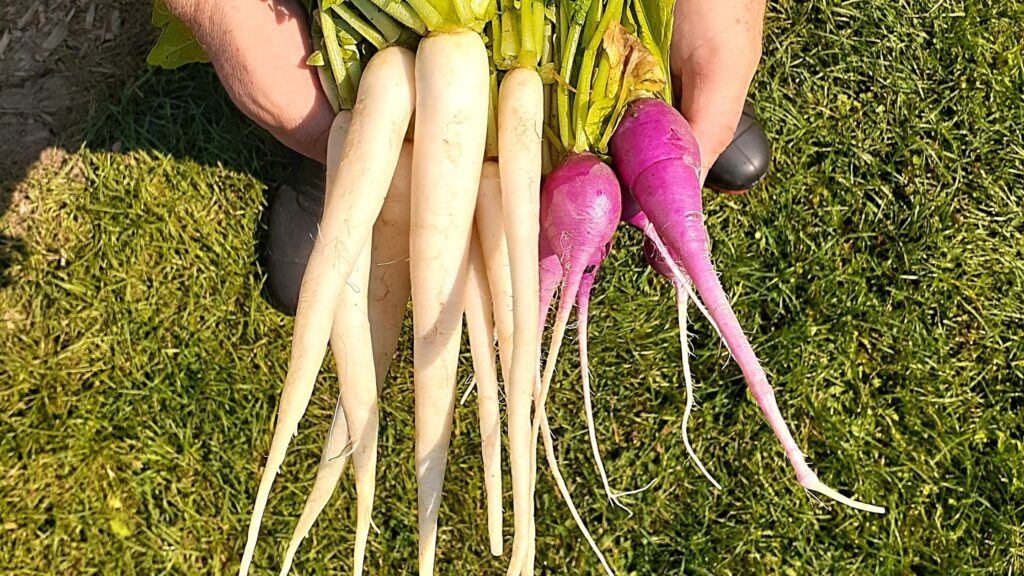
499 196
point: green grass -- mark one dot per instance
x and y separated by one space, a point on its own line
879 272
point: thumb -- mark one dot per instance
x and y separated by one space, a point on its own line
713 108
310 134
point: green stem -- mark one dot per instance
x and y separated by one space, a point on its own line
509 43
463 11
568 58
600 83
510 37
587 68
361 27
330 86
345 95
538 29
385 24
404 13
355 74
555 143
562 18
349 39
481 9
496 37
527 40
594 14
547 35
426 11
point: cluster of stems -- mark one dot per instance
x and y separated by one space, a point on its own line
347 32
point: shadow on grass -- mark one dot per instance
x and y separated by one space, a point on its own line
52 73
183 114
11 251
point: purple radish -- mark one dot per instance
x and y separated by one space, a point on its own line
550 278
631 212
635 217
657 158
580 206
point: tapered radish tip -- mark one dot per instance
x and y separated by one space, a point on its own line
815 485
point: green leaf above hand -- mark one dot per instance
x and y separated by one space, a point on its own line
177 45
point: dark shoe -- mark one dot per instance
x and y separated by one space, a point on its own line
745 161
295 212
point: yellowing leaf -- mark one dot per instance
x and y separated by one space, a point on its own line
177 45
640 69
632 72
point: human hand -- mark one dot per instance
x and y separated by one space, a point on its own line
716 45
259 50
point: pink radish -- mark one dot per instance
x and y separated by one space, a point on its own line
657 158
580 207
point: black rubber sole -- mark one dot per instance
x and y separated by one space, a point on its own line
294 215
745 162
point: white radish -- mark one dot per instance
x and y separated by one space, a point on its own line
490 230
359 171
452 84
360 396
371 310
480 326
520 129
332 463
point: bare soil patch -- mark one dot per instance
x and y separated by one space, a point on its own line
57 59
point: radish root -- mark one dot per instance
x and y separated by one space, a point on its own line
765 399
681 304
549 450
332 464
582 314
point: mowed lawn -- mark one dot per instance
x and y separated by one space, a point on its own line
879 272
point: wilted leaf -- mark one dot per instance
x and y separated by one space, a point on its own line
634 72
640 70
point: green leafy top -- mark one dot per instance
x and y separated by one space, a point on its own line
612 52
177 45
347 32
